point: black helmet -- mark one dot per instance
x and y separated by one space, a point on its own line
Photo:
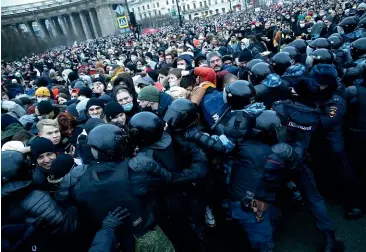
348 24
362 23
238 94
322 56
335 42
251 63
108 140
292 51
320 43
259 72
280 62
13 166
181 114
300 45
358 48
150 127
350 75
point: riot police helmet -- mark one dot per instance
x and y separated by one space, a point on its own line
358 48
149 126
238 94
251 63
13 166
362 23
350 75
299 44
320 43
322 56
259 72
280 62
107 142
335 42
292 51
348 24
181 114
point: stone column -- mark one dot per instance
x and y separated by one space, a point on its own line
113 19
70 28
94 23
43 28
4 36
53 27
84 23
105 20
58 26
76 25
30 28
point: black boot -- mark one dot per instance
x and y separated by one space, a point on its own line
331 244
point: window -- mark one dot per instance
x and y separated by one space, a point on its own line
222 1
190 17
211 12
155 13
167 3
209 2
184 8
145 15
217 11
223 10
206 13
159 13
172 1
188 7
140 17
157 4
148 7
194 6
143 7
215 1
205 3
138 8
133 10
201 4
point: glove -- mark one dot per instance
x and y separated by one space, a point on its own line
227 143
115 218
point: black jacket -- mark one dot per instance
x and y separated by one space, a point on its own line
192 160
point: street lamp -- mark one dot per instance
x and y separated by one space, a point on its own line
179 16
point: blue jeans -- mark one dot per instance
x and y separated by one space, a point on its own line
259 233
307 185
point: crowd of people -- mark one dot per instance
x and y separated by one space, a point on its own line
125 144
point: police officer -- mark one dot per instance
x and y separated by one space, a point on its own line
300 121
259 72
347 28
182 115
300 45
117 180
358 51
152 140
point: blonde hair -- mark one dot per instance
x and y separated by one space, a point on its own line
47 122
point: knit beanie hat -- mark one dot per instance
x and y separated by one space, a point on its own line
153 75
44 107
112 109
245 56
41 145
61 165
85 91
43 91
94 102
149 93
105 98
92 123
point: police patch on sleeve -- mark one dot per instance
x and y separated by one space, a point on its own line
332 111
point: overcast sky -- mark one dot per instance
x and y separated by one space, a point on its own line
16 2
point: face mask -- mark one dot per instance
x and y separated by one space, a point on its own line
42 99
360 12
127 107
181 67
173 83
302 25
133 58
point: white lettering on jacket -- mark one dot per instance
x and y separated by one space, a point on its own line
294 125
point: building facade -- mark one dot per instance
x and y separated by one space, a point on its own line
163 12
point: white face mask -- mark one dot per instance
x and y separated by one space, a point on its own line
42 99
302 25
133 58
173 84
181 67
